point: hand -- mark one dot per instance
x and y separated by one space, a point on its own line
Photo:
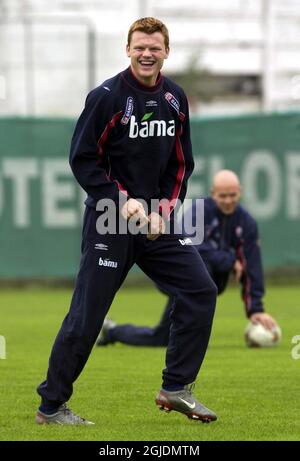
238 270
265 319
134 209
156 226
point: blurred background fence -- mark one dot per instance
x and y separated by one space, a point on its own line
231 55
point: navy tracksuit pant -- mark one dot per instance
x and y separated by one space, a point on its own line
159 335
105 262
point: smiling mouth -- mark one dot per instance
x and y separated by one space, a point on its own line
147 64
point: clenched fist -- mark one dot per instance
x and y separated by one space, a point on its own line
156 226
134 209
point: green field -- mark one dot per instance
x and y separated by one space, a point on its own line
255 392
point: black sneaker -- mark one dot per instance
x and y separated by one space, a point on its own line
185 402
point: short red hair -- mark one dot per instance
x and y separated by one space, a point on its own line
149 26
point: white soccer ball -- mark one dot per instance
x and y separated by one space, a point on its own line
256 335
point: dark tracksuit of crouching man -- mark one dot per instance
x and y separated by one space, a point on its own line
226 239
231 244
133 138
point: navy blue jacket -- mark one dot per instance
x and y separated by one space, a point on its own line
231 237
134 139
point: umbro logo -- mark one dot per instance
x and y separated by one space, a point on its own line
151 103
101 246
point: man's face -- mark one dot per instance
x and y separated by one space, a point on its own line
226 197
147 53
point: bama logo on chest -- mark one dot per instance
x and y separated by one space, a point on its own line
150 128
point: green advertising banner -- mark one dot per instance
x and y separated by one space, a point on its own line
41 205
40 202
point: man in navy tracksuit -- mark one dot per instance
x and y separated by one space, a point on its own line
231 244
133 140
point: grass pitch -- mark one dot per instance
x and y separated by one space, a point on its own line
255 392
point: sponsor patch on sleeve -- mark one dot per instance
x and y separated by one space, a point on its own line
172 101
128 111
